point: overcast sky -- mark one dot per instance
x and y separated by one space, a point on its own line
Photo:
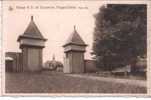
54 23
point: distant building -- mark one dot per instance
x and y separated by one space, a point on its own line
140 66
53 65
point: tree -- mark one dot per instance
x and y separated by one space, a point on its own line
120 35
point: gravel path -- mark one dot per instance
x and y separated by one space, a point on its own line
141 83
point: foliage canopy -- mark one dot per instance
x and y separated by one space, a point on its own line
120 35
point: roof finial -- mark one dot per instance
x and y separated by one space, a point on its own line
74 27
53 58
32 18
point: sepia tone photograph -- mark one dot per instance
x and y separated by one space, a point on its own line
70 47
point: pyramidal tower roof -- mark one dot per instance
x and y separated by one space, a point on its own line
75 39
32 31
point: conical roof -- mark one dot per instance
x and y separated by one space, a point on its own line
32 31
75 39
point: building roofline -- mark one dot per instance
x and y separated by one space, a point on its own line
28 37
74 44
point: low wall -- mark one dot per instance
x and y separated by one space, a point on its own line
16 62
90 66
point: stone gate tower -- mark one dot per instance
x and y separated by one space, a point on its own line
74 54
31 44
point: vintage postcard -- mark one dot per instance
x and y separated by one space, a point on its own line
75 48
